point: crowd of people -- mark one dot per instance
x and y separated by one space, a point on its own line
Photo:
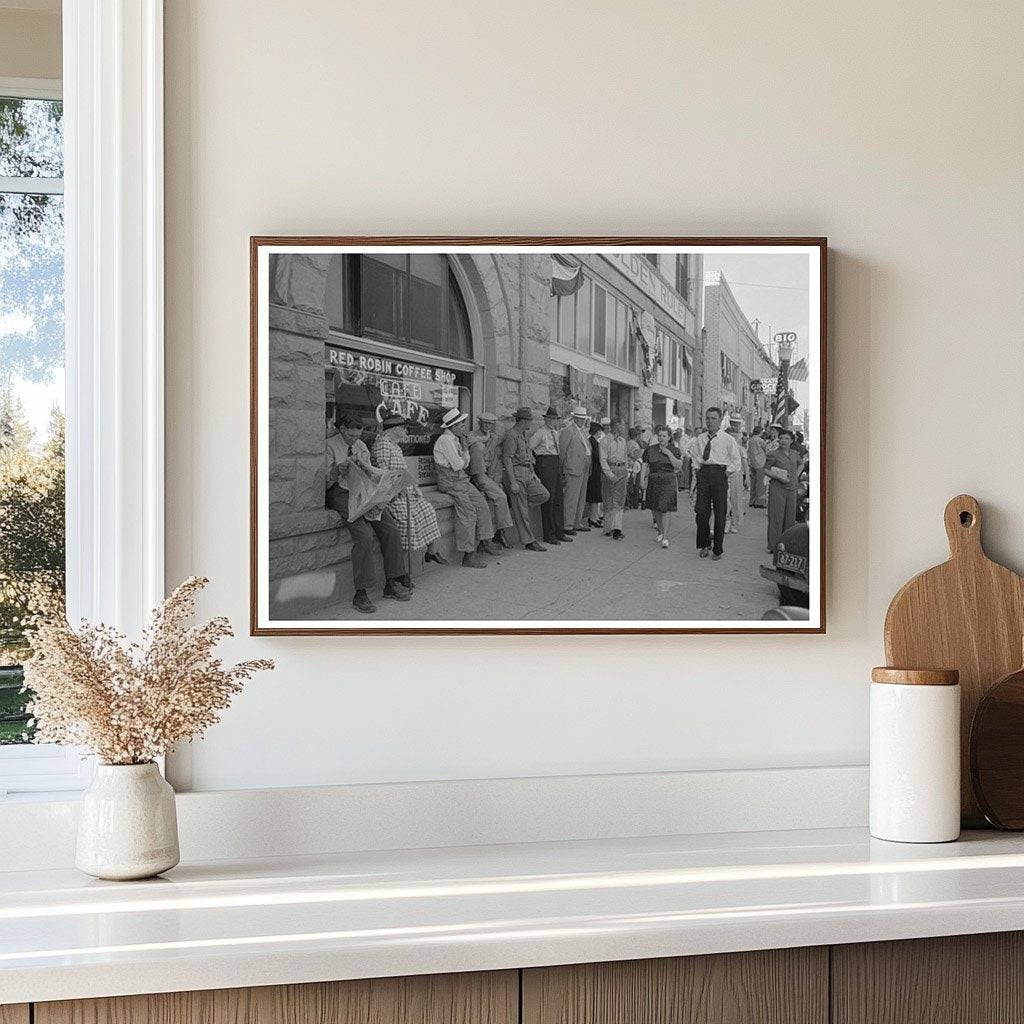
583 474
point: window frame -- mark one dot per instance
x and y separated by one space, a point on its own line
112 91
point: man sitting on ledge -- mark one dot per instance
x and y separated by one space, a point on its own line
473 524
345 449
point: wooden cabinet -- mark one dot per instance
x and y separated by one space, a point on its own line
970 979
777 986
490 998
962 979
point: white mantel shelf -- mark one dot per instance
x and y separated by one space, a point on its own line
264 922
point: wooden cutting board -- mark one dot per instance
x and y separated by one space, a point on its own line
967 614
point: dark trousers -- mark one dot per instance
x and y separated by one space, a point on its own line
551 514
363 532
712 495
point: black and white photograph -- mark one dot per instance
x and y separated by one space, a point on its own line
537 435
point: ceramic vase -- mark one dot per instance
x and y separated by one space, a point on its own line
127 825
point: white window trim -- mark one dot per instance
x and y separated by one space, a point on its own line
114 323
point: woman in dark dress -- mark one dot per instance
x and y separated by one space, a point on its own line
594 480
661 462
782 467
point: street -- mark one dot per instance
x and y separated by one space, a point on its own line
597 578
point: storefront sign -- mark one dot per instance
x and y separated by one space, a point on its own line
645 277
409 389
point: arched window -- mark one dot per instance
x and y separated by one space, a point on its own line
408 299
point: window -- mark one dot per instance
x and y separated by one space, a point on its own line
683 275
567 321
583 316
600 310
409 299
728 371
32 541
621 349
369 386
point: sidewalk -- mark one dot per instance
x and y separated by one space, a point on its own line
596 577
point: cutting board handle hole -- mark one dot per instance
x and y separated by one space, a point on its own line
966 519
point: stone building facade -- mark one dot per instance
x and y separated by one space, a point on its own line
366 333
733 356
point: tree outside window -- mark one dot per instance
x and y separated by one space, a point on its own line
32 497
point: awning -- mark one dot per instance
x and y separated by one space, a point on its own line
566 275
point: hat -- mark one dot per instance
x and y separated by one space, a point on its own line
393 420
524 412
552 413
452 418
579 411
606 421
350 421
487 417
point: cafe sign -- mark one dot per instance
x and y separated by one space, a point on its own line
406 388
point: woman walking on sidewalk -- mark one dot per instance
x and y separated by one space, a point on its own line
661 464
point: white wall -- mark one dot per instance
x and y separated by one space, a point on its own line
895 129
30 39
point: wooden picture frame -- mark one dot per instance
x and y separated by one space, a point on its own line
292 304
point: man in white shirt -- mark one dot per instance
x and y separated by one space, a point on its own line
574 459
715 454
474 527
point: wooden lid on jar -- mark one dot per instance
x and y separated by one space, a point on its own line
916 676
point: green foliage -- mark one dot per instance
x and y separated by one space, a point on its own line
32 550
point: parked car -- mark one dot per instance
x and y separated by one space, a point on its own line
790 568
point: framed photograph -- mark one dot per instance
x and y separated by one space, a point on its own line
537 435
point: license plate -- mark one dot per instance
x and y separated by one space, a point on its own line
791 563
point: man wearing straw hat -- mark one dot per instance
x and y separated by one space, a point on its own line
574 460
474 528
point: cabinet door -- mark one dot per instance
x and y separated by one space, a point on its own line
482 998
961 979
778 986
14 1013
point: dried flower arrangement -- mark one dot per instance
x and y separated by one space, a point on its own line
130 703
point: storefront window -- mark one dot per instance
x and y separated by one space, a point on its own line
401 298
369 387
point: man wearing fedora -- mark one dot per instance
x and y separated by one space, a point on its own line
574 459
375 527
544 445
474 529
482 465
524 487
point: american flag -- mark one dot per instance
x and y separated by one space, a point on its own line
799 371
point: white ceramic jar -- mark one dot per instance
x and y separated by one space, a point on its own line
915 755
127 824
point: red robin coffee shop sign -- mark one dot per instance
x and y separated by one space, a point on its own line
363 381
